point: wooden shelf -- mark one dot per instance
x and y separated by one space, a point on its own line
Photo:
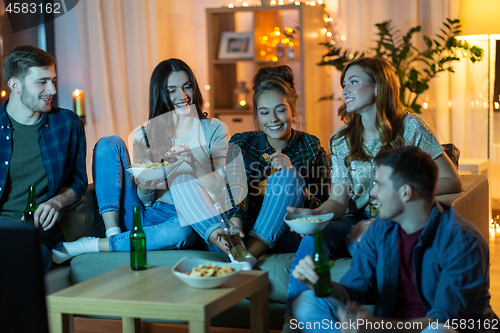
311 81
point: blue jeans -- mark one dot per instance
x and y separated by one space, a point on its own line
116 191
336 242
285 188
313 314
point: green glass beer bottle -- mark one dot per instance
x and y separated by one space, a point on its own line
138 258
29 212
322 288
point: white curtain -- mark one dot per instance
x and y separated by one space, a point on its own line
119 51
356 21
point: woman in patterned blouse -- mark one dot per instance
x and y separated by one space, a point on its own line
375 121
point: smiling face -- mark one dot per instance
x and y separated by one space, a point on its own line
391 205
359 91
38 88
274 116
180 90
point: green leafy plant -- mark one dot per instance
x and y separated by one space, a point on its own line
414 67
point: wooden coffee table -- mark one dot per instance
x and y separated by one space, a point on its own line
156 293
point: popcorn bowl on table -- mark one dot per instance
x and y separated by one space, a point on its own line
186 265
299 223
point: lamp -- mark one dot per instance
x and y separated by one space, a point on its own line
479 17
480 21
241 96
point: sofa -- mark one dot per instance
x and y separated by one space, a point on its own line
82 219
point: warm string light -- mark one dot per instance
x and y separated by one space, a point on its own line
279 45
276 3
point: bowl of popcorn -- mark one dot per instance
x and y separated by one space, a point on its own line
307 224
205 274
154 171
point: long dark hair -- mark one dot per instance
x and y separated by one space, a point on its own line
159 100
159 137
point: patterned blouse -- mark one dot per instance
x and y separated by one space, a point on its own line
361 173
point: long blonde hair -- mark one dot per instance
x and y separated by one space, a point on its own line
390 111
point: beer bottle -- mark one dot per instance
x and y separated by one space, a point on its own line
231 235
373 204
322 288
29 212
138 258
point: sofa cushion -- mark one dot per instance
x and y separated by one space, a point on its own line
278 267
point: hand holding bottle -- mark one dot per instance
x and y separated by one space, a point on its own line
230 235
305 272
44 215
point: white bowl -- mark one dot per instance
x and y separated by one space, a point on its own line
153 173
185 265
304 227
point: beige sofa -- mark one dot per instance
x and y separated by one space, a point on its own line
82 219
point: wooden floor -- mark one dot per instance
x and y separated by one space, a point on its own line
85 325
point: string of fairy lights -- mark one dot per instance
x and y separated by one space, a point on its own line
282 44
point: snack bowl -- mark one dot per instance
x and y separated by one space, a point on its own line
145 174
185 265
306 227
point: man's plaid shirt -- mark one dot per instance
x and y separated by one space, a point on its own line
61 137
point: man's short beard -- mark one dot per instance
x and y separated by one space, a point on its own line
30 101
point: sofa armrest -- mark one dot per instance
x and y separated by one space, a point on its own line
472 203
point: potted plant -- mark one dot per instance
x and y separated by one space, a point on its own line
414 67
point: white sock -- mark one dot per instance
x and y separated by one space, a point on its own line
249 261
71 249
113 231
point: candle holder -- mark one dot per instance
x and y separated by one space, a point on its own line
241 96
78 105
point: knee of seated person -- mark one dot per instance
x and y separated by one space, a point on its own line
108 143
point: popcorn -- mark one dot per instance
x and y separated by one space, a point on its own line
307 219
154 165
210 270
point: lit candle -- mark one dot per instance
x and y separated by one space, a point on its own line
78 103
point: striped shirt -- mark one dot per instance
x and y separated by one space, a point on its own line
61 137
307 156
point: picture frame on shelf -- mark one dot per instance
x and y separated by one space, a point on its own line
236 46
